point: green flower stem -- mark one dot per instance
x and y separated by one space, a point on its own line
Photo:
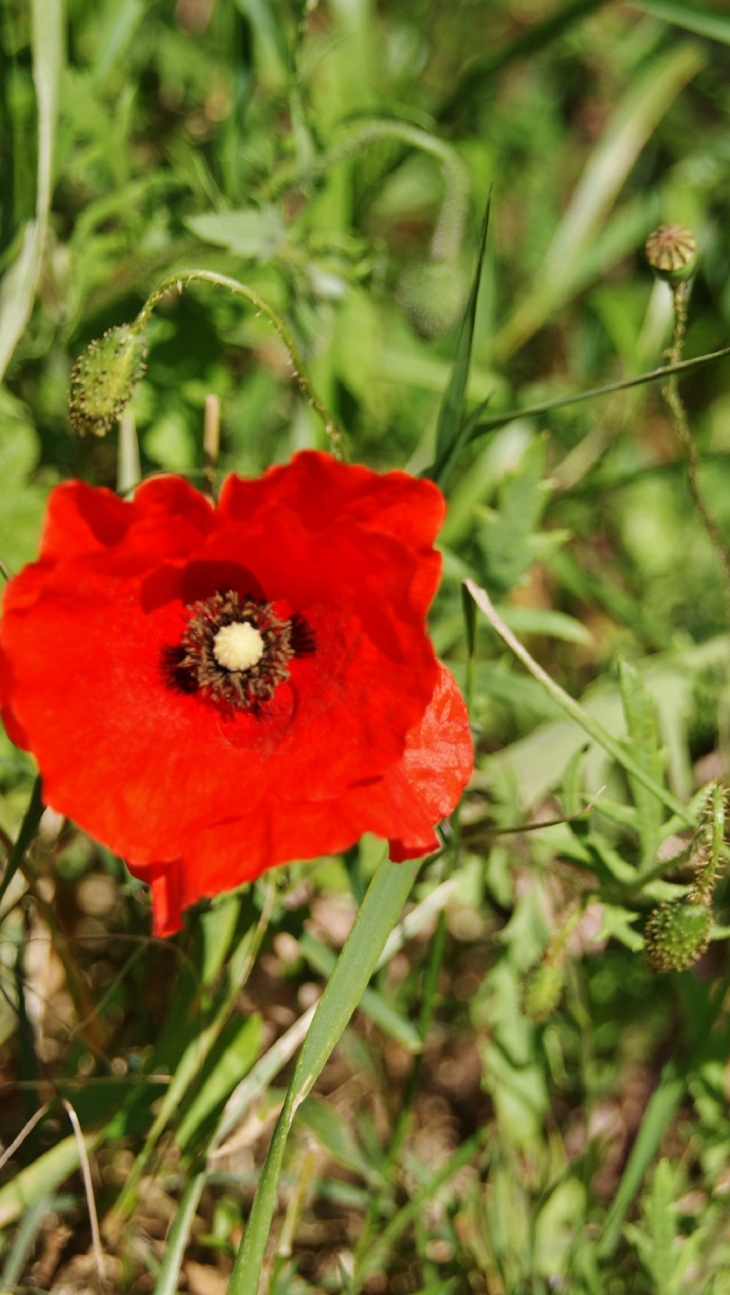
675 404
560 402
704 883
573 708
186 277
26 836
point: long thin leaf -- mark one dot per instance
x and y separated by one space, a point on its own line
451 431
632 125
43 1175
574 709
696 18
167 1281
380 910
654 375
19 285
26 836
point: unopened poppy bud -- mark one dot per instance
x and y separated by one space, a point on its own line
433 296
670 251
104 379
677 934
544 990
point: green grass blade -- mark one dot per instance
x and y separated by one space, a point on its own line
694 18
380 911
24 1241
19 285
177 1240
323 960
604 175
43 1175
451 431
574 709
26 835
663 1103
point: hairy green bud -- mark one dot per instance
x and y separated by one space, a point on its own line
104 379
544 990
433 295
677 933
670 251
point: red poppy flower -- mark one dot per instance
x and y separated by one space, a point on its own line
212 691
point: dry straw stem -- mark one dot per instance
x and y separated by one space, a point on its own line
211 437
88 1188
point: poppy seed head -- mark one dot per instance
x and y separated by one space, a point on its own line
104 379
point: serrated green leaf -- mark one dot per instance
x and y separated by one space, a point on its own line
618 923
254 232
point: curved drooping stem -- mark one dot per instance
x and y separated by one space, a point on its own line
181 281
447 235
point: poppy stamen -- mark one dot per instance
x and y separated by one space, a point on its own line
235 651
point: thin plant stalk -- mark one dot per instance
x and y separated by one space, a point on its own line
675 404
573 708
26 836
262 307
623 384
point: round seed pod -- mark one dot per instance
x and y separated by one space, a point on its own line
677 934
543 991
671 253
104 379
433 296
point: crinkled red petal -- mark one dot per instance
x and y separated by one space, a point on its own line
369 734
402 806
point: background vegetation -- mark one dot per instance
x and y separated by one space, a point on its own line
539 1111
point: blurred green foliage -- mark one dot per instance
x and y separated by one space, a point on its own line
337 157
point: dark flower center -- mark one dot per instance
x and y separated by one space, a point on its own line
236 650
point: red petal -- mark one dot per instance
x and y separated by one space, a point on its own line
319 490
82 519
439 755
369 734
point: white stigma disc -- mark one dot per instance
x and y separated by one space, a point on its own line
238 646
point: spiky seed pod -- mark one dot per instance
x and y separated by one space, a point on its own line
677 933
104 379
670 251
543 991
433 295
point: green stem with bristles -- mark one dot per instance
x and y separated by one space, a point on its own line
182 279
675 404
